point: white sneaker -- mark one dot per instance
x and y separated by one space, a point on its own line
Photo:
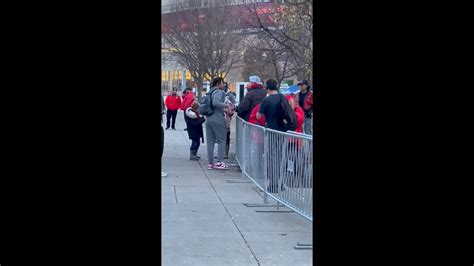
163 174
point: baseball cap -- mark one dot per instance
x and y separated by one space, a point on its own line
255 79
303 82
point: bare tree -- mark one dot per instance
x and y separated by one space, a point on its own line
201 40
268 59
289 24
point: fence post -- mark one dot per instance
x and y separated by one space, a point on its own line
265 166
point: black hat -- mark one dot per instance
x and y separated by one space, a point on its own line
303 82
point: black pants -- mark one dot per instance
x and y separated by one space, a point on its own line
162 141
195 144
172 115
227 142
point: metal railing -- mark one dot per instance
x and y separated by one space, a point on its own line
183 5
279 163
250 140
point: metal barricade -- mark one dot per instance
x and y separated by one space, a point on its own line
250 151
279 163
289 178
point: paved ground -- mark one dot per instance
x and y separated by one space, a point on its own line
204 220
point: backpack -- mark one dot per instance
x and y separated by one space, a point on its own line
289 116
205 107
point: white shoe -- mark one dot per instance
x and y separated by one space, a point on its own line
163 174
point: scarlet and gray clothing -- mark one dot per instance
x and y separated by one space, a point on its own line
216 128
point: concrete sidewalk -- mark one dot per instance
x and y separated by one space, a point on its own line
204 220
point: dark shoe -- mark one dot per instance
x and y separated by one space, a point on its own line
173 128
167 128
193 156
185 129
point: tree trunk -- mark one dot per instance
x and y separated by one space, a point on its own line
199 87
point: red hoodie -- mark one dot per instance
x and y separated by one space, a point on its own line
188 100
299 119
173 102
253 117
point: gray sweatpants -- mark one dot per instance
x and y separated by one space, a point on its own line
216 131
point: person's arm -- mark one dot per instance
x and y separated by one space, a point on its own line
232 98
216 100
244 106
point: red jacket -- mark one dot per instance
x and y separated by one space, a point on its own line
253 117
308 101
173 102
188 100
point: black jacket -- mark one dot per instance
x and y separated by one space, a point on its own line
251 99
194 126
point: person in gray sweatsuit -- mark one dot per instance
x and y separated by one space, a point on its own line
216 128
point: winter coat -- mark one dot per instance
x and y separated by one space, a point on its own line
194 124
308 101
173 103
255 95
188 100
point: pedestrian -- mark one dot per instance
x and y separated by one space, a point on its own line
229 113
299 113
194 123
163 174
255 94
272 108
173 103
188 99
304 98
216 127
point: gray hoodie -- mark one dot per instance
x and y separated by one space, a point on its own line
218 98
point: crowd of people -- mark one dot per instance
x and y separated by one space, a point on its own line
262 105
